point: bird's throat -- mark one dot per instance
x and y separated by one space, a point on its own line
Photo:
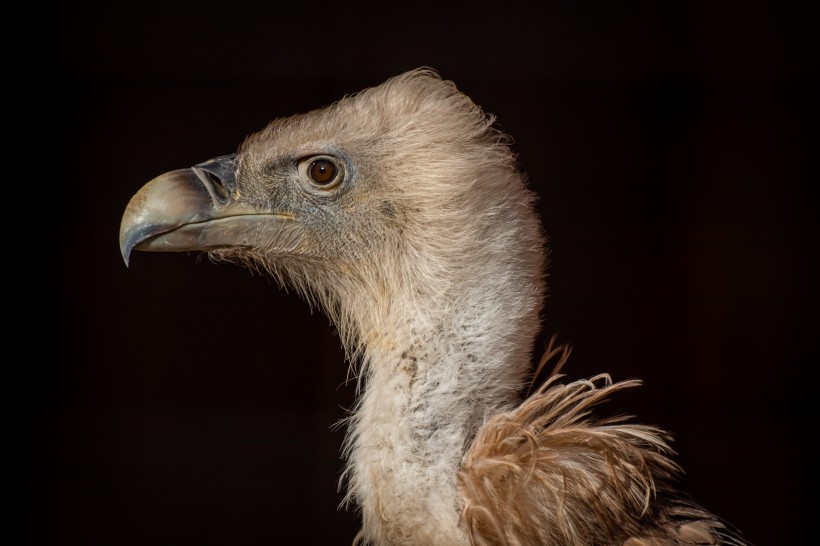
426 392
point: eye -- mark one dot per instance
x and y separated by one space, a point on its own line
322 172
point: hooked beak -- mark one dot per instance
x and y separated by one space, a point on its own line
200 209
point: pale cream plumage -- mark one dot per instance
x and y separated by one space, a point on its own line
400 211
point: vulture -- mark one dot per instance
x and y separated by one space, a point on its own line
401 212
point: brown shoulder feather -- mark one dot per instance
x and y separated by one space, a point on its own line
549 472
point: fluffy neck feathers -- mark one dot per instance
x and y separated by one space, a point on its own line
438 359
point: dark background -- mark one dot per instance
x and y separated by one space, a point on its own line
180 402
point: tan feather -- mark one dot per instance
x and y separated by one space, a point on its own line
549 472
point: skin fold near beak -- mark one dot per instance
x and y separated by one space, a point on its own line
199 209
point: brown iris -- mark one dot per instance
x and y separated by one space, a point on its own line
322 172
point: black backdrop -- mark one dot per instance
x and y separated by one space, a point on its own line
181 402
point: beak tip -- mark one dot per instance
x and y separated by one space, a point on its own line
127 244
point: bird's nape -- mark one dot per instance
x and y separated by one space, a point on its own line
401 211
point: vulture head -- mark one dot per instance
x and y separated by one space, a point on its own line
400 211
391 202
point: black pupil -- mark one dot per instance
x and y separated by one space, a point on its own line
322 171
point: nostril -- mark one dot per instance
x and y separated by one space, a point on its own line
218 175
218 188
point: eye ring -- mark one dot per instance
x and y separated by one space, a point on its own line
321 172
